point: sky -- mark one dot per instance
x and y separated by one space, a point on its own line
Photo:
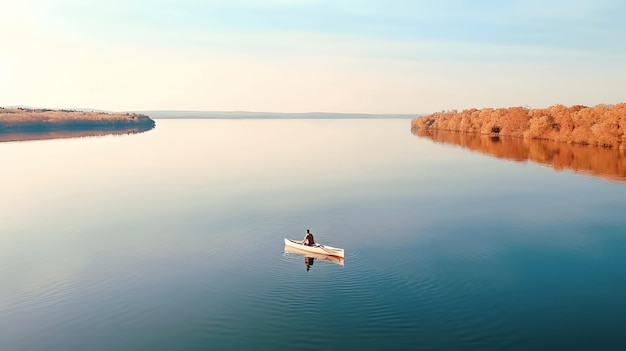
368 56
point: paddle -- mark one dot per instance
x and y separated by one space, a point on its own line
325 249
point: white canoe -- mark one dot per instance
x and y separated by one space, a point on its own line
319 249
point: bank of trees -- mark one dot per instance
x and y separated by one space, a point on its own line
18 116
601 125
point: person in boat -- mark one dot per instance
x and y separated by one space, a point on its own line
308 239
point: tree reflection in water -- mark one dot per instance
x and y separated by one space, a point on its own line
71 133
606 163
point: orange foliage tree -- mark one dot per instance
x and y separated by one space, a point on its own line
601 125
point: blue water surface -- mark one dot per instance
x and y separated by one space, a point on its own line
173 239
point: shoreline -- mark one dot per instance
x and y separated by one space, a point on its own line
601 125
27 121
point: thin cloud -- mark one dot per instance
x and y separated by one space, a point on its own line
288 55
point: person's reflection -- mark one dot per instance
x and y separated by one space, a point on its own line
308 261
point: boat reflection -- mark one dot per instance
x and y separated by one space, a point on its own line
310 257
308 262
606 163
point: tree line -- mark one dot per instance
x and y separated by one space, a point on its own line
600 125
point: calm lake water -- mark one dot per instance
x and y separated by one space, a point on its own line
172 239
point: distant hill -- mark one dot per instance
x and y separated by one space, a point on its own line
266 115
185 114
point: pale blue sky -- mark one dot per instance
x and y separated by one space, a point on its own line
311 55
